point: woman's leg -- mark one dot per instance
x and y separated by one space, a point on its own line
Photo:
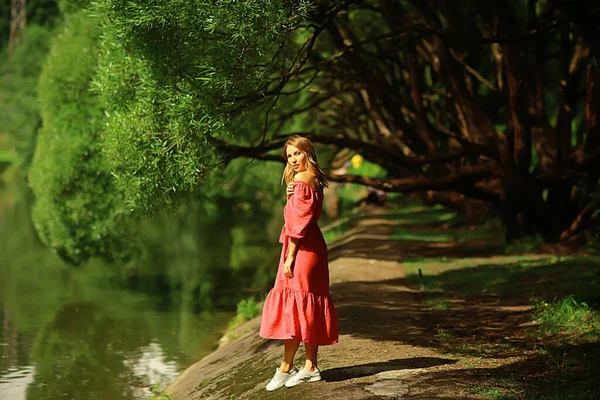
311 356
290 346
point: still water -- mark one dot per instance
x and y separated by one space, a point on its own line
88 333
66 334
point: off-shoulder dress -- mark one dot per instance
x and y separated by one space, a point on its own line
301 307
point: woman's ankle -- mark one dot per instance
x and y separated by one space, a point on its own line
310 367
285 368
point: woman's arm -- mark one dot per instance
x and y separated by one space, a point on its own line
293 244
292 247
310 179
290 257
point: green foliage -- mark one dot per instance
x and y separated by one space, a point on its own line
332 232
42 12
501 389
159 394
246 310
498 389
368 168
5 156
571 393
19 75
526 244
563 320
4 22
349 193
436 303
593 195
39 13
78 212
499 275
217 241
568 319
487 392
72 6
169 72
93 320
434 236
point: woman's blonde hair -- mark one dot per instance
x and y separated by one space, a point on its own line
306 147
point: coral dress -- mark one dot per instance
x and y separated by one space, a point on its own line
301 307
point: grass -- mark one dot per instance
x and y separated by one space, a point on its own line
246 310
413 214
494 390
350 193
498 389
575 393
420 236
434 236
331 234
475 348
406 213
562 346
537 276
437 303
416 214
567 319
526 244
487 392
159 394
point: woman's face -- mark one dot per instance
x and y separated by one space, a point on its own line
296 158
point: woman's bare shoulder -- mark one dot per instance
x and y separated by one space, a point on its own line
307 177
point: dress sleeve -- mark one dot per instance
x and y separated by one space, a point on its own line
299 211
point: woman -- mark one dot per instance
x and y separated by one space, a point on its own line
299 308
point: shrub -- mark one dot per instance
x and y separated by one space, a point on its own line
246 310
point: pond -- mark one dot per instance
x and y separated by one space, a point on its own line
70 333
85 349
88 332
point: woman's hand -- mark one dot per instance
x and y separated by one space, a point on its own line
290 189
287 267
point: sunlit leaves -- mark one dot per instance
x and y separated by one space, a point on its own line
77 212
20 117
169 74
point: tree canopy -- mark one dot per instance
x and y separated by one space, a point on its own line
169 74
77 211
495 101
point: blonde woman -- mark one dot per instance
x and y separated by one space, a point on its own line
299 308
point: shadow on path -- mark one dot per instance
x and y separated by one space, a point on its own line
359 371
382 310
381 248
573 376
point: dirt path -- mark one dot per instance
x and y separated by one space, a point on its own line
389 344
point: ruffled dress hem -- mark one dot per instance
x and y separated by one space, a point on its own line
308 317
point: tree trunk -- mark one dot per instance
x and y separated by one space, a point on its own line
18 19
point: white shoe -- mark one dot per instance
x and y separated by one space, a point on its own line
303 376
280 378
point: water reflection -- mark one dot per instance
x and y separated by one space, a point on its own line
89 351
151 368
102 332
13 384
85 346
